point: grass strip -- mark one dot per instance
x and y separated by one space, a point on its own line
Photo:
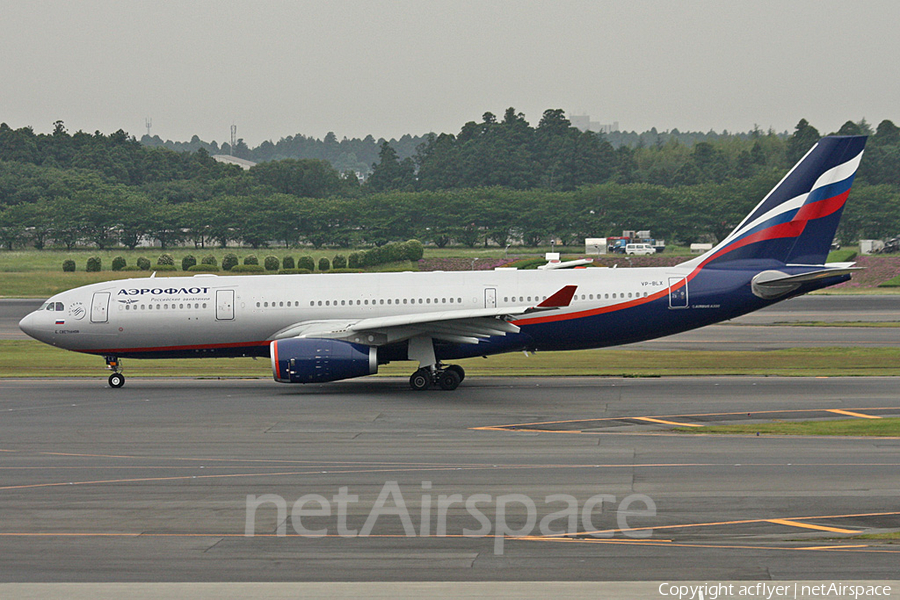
841 427
29 358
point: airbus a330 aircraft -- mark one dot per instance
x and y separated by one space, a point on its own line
319 328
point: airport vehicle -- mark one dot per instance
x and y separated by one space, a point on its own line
639 249
327 327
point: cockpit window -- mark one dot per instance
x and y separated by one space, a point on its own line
49 306
59 306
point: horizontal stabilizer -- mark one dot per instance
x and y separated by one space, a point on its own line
772 284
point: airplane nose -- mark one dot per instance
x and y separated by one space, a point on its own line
27 324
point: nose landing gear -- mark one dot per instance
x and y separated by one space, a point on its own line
116 380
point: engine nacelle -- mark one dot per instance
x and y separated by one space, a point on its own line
298 360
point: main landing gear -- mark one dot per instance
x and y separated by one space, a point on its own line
447 378
116 380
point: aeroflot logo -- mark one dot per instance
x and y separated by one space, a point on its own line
161 291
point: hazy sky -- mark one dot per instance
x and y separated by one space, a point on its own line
277 68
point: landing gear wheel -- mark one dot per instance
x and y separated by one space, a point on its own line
459 371
449 379
420 380
116 380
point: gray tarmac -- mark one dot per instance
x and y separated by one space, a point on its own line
150 483
111 493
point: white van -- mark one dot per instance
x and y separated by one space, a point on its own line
639 249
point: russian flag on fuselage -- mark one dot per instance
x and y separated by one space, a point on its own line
795 223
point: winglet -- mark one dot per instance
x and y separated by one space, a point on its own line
560 299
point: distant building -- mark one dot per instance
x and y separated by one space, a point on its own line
584 123
233 160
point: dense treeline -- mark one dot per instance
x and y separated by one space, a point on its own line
355 154
497 181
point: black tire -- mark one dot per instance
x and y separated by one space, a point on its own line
449 380
420 380
459 371
116 380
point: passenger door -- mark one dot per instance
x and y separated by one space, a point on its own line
678 292
490 297
224 305
100 308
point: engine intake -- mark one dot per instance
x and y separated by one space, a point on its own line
299 360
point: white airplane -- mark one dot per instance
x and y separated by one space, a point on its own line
318 328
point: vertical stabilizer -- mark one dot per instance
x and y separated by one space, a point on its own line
795 223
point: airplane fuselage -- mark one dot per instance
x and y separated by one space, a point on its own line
209 315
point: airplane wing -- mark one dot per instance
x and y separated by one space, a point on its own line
465 326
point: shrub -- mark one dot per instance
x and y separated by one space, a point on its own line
165 259
288 262
247 269
294 271
229 262
94 264
118 263
68 265
355 260
339 262
413 249
162 268
324 264
201 268
187 262
143 263
251 259
209 260
272 263
346 271
131 268
306 262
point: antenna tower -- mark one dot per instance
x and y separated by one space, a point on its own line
149 123
233 137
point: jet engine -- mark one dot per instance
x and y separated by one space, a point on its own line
299 360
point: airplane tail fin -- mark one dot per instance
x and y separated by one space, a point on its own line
795 223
